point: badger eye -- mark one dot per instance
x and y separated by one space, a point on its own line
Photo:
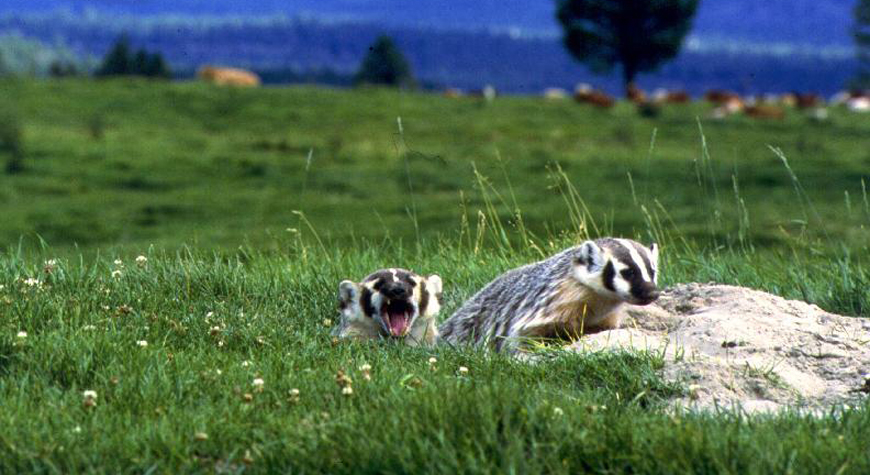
628 274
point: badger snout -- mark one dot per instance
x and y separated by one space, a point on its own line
645 294
395 291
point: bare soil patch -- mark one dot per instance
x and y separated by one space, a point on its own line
736 346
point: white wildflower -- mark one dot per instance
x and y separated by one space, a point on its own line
89 327
119 262
246 363
294 396
258 384
142 343
347 390
89 398
22 335
366 370
557 411
116 273
31 282
50 265
141 260
463 370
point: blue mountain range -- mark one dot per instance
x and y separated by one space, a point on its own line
819 23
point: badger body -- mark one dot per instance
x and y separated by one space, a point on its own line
577 291
390 304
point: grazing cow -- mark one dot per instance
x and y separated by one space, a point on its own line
764 111
228 76
721 97
635 94
859 104
663 96
594 97
452 93
788 99
728 107
807 101
488 93
678 97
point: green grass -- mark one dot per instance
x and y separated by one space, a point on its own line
206 182
603 413
134 163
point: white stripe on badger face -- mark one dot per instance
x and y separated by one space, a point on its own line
622 286
636 257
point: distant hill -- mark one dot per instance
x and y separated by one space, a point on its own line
293 50
808 22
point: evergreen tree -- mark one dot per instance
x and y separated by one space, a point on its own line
385 64
117 61
862 41
639 35
156 67
139 63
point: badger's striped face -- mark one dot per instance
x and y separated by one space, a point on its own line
621 268
393 298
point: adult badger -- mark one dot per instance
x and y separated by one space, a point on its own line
579 290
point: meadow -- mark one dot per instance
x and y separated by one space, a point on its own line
128 164
211 353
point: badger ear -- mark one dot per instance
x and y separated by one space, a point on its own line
654 253
347 292
591 256
433 284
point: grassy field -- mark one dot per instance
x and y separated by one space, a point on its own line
134 163
238 370
190 401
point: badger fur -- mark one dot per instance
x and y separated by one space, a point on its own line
390 303
579 290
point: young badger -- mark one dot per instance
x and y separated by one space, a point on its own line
579 290
390 303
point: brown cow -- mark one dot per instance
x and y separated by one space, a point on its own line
228 76
721 97
594 97
807 101
764 111
635 94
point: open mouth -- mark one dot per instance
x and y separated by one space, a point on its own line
397 315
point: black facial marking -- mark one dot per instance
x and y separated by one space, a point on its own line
366 302
633 276
406 278
609 275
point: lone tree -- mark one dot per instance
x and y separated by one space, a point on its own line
639 35
385 65
862 41
117 61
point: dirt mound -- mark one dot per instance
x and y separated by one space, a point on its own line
735 345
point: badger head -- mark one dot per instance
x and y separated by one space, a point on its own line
392 298
618 268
